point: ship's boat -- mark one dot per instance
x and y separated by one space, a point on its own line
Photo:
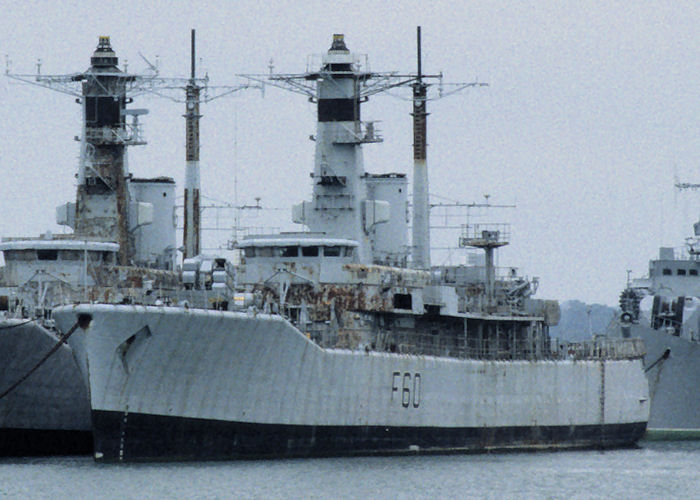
342 339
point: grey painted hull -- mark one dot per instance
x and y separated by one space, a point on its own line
674 383
49 412
171 383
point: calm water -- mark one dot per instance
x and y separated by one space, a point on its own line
655 470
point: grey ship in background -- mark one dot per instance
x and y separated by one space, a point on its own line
343 339
663 309
123 245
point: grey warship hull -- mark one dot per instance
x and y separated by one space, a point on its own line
49 412
673 381
241 386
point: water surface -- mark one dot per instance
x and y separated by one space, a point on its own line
654 470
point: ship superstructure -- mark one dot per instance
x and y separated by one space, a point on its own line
123 226
102 186
355 252
336 342
123 243
107 208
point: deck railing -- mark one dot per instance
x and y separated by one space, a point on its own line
604 348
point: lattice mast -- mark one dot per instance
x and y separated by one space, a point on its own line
197 92
102 199
421 202
192 232
488 237
692 243
102 194
340 205
339 83
102 208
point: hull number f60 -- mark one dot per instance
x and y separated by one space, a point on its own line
405 387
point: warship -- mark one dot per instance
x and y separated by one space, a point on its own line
663 309
122 244
343 339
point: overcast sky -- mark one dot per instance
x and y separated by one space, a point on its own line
592 109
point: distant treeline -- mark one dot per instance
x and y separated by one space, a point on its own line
574 326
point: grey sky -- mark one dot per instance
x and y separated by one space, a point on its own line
591 108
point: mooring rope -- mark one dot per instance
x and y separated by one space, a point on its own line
7 327
663 357
55 348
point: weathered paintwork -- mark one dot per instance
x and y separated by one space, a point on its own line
257 368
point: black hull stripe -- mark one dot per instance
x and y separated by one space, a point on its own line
36 442
142 437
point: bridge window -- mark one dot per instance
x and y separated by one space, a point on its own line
289 252
69 254
249 252
349 252
309 251
47 254
680 272
667 272
331 251
264 252
693 272
20 255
